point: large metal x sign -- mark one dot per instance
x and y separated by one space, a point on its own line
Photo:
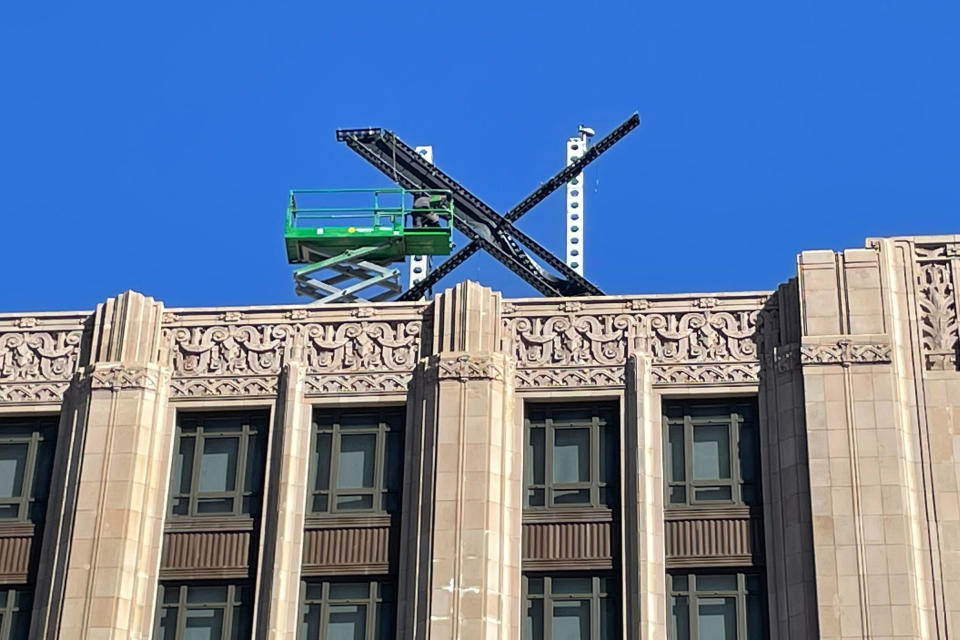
486 228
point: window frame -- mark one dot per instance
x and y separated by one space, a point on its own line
18 601
595 596
233 601
252 441
373 602
382 430
693 595
734 413
604 431
35 433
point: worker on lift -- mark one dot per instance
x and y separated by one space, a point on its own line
425 207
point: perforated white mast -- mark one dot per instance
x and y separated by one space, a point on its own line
420 265
576 147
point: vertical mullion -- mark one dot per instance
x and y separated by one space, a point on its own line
595 607
228 612
324 609
547 608
239 474
741 607
29 470
692 607
548 431
528 457
334 464
594 460
379 458
198 441
371 612
181 611
735 476
688 457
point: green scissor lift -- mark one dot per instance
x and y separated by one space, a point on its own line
346 250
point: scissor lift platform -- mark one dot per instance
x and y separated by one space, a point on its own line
339 244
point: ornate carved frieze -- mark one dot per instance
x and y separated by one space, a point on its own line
37 360
938 273
694 340
240 353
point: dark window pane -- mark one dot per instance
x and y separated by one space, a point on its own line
678 495
535 457
252 476
215 505
20 625
354 502
171 594
241 623
533 625
717 618
44 467
349 590
347 622
609 464
571 585
755 617
717 582
386 621
310 624
168 624
321 462
748 453
535 585
184 464
676 471
680 618
609 625
711 452
678 583
356 461
571 496
750 494
207 595
203 624
571 455
9 511
13 460
570 416
571 620
713 493
393 467
535 497
754 584
218 465
359 421
320 503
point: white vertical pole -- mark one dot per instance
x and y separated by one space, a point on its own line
420 265
576 147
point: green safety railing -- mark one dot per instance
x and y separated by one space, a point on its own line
382 214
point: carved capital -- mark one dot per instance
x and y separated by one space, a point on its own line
938 267
468 367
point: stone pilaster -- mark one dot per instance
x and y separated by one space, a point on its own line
874 536
100 579
642 464
283 521
462 505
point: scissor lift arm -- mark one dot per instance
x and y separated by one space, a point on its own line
485 228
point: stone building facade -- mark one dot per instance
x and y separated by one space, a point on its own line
727 465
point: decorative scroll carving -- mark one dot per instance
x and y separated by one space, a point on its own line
35 366
218 386
937 298
468 368
845 352
227 350
712 345
363 346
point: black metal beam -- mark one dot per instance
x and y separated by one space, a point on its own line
478 221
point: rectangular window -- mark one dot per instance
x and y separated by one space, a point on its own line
204 611
347 611
26 462
716 606
570 607
15 607
218 464
571 455
357 461
710 452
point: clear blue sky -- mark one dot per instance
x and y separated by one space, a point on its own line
151 146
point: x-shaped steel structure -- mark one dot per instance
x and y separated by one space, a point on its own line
486 229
